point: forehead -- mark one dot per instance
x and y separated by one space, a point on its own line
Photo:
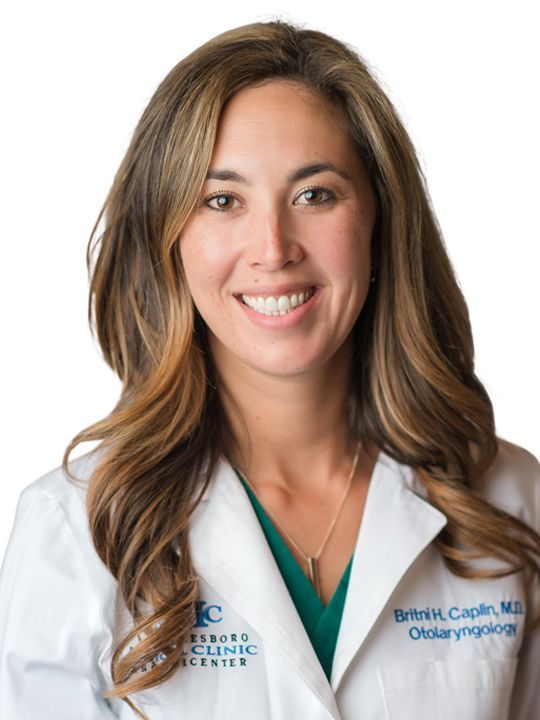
286 112
272 92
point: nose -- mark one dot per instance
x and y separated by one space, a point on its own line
273 243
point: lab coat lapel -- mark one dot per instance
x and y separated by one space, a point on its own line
396 527
230 552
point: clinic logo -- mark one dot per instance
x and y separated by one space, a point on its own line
207 614
215 645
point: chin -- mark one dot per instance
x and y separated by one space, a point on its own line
286 367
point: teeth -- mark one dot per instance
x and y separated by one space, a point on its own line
283 303
277 306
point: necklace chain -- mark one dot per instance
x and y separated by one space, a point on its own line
312 561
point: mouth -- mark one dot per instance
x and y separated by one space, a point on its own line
276 305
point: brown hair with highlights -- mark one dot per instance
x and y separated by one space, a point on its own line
415 392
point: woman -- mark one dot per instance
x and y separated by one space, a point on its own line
299 506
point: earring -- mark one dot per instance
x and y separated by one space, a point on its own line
373 278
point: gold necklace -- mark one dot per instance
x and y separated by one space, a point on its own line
312 560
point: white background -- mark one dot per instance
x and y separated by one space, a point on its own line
75 79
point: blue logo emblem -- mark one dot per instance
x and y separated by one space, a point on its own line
207 614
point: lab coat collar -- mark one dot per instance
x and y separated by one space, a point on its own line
396 527
231 554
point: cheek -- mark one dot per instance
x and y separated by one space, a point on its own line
345 248
206 262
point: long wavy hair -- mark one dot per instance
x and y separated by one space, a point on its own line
415 392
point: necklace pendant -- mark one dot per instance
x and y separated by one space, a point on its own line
313 574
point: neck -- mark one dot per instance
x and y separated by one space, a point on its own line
290 431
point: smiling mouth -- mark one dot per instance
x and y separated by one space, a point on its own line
277 305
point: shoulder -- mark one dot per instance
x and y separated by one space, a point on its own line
515 460
60 604
512 482
51 530
66 491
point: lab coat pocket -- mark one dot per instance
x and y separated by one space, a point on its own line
458 690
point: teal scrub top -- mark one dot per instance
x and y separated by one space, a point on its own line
321 622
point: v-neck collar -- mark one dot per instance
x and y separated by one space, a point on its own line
231 555
320 621
280 547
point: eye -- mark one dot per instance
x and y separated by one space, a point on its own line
315 195
222 201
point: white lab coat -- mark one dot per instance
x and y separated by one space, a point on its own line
415 641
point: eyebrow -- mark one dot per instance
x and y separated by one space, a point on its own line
301 174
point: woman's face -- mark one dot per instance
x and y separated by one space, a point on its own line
277 255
